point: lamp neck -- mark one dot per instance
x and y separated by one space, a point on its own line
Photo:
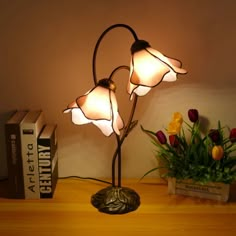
139 45
107 83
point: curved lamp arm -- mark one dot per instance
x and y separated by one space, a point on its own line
99 41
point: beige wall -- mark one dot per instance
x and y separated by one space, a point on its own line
45 62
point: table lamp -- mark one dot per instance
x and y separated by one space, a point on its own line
148 67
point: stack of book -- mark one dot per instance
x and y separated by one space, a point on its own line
31 147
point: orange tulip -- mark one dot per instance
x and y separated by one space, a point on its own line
217 152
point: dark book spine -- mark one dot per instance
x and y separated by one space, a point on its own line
48 166
14 161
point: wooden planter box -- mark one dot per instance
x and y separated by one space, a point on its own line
214 191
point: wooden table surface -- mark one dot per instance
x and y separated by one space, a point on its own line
70 213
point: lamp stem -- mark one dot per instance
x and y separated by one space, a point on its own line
119 161
116 199
120 140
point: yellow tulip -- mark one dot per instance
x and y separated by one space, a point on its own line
217 152
174 128
176 123
177 117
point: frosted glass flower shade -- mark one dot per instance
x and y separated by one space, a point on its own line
98 106
149 67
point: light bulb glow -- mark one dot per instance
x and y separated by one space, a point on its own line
99 107
148 68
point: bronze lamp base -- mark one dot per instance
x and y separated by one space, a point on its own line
116 200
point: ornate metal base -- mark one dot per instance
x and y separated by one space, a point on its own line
116 200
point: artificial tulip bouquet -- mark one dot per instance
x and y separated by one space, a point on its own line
190 154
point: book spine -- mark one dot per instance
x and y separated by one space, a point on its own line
48 166
30 165
54 171
29 135
14 161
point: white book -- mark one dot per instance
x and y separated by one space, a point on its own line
30 128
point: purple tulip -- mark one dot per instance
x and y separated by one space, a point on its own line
173 140
232 135
193 115
214 134
161 137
